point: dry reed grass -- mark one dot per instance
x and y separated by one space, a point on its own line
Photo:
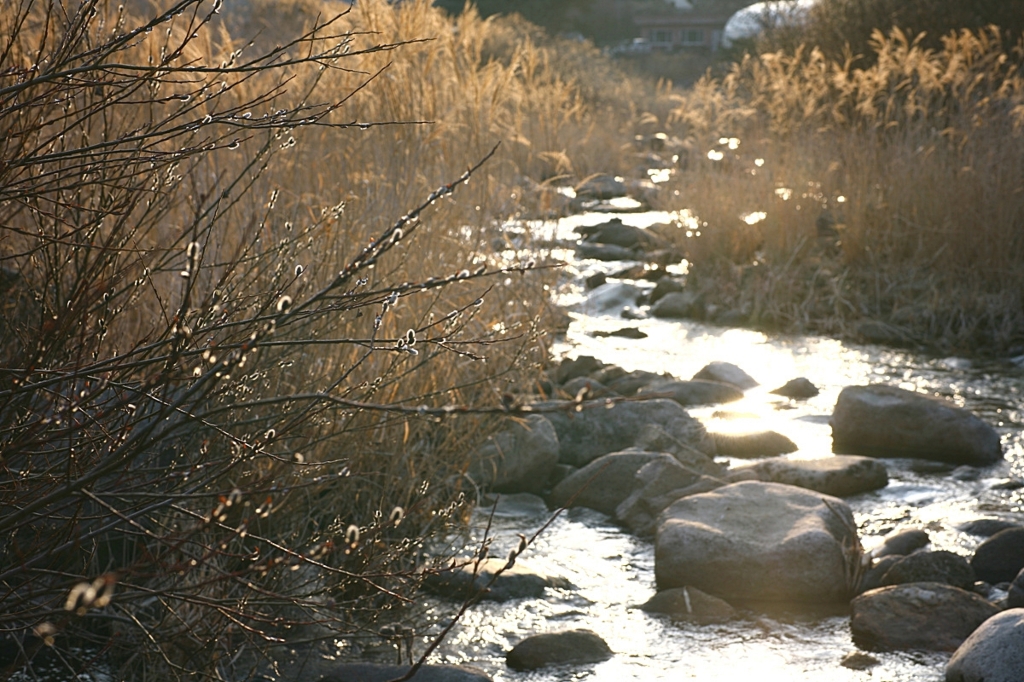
892 196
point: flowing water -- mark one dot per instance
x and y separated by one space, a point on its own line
613 571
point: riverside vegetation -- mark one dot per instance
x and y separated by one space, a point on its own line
257 312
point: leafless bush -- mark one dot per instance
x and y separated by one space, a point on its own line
210 439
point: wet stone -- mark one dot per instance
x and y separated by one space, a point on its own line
688 604
1001 557
798 388
560 648
858 660
902 543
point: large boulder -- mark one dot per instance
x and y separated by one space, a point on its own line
688 604
590 433
558 648
926 616
931 567
761 542
518 459
753 445
699 392
1000 558
726 373
884 421
839 475
376 672
604 483
466 581
993 653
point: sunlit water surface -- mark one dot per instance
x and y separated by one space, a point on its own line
614 571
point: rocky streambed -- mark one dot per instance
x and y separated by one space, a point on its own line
711 531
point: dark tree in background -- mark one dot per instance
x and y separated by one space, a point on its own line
834 24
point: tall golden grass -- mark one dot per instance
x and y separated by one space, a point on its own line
893 194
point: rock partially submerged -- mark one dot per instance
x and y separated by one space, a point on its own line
925 616
884 421
798 389
752 445
757 541
688 604
518 459
604 483
993 653
839 475
902 543
661 482
586 435
518 582
1001 557
726 373
931 567
698 392
558 648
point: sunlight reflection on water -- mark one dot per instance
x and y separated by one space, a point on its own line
613 571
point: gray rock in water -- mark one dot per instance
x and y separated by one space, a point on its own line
986 528
798 388
931 567
925 616
519 459
678 305
619 234
601 186
570 368
1000 558
604 483
624 333
726 373
688 604
858 660
665 286
375 672
752 445
902 543
595 431
883 421
698 392
631 382
839 475
759 541
611 298
660 483
993 653
560 648
518 582
872 577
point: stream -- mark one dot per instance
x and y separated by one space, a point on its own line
613 571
